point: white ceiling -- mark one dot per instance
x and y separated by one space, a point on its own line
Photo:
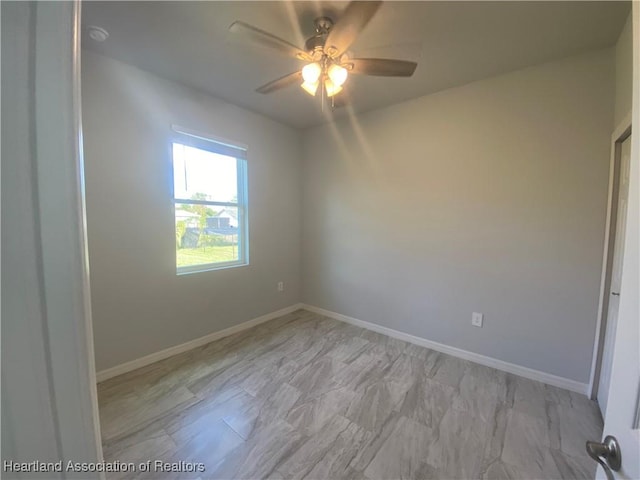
453 42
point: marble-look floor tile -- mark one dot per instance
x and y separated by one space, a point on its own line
208 410
499 470
526 442
576 427
405 371
116 447
305 396
554 465
427 355
557 395
262 411
458 446
371 448
477 394
363 371
384 346
154 448
427 401
259 457
343 332
497 430
222 379
349 349
403 453
374 404
337 458
263 380
208 445
317 377
427 472
146 377
309 349
157 444
568 467
137 411
301 461
310 416
490 376
585 405
530 397
506 395
448 370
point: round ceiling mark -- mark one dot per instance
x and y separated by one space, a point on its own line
98 34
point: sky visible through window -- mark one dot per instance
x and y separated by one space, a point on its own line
197 171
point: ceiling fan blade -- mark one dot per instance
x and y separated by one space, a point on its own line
281 82
355 17
382 67
265 39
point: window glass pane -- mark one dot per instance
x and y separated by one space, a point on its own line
206 234
202 175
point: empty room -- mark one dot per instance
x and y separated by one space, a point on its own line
322 240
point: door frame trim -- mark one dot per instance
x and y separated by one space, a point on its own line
88 339
62 230
619 135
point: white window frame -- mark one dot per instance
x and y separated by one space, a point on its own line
235 150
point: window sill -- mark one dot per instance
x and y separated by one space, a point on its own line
208 267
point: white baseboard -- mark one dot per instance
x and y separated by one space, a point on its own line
525 372
190 345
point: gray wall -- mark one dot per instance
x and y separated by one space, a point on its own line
490 197
140 305
624 73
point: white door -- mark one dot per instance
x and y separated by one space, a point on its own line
621 420
616 275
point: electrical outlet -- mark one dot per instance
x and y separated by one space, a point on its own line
476 319
281 286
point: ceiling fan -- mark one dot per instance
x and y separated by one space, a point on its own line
327 63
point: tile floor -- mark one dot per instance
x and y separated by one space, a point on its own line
305 396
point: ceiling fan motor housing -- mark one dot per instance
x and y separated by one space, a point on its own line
323 26
316 42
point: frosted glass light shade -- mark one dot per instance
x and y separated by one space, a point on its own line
310 87
331 87
337 74
311 72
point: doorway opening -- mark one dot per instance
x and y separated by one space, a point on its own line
612 263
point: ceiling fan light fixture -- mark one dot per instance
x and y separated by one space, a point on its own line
337 74
331 88
311 87
326 54
311 73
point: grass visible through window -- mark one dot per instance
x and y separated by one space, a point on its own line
202 255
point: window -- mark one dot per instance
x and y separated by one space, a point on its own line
210 199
